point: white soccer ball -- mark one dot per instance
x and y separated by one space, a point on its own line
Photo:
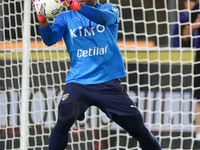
48 8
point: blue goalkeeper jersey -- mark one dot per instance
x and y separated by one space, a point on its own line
92 47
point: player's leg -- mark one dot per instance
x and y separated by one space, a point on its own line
134 125
67 115
114 101
71 108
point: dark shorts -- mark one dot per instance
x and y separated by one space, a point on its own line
110 97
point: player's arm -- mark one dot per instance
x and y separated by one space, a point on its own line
103 17
50 34
43 23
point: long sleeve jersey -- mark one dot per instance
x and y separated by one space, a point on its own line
91 40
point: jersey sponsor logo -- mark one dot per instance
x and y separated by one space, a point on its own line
92 51
80 31
64 97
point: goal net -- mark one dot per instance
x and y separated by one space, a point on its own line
159 80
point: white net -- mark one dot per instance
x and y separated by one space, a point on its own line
159 80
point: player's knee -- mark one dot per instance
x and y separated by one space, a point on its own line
67 113
66 117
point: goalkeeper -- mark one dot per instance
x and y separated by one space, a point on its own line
90 31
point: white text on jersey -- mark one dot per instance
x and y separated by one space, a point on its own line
86 31
92 52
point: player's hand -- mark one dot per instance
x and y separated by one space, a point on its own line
66 3
40 18
72 4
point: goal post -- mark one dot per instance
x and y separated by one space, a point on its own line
159 80
24 123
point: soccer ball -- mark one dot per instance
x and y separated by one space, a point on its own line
48 8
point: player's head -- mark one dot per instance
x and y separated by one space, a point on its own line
189 4
88 2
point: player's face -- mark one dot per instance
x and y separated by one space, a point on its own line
88 2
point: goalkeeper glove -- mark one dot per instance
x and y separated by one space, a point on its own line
40 18
72 4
